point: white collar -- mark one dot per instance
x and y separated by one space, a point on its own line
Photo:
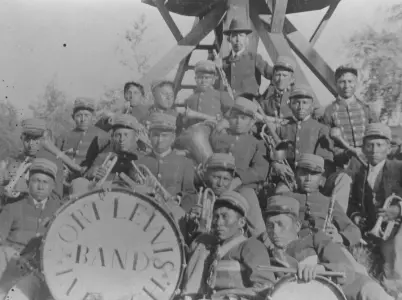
377 167
237 54
164 154
37 203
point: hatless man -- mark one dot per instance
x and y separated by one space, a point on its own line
288 249
371 186
242 67
251 165
26 219
134 95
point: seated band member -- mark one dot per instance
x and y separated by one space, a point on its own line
314 205
251 165
289 250
33 133
175 172
26 219
225 262
220 176
371 186
205 98
76 142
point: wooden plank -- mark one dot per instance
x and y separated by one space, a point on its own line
185 45
278 15
320 28
168 19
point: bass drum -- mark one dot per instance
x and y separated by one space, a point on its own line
289 288
115 246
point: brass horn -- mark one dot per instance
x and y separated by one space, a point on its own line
108 164
377 230
192 114
206 200
196 140
22 169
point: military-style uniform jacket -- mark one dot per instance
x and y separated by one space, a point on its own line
316 205
140 112
244 72
308 136
210 102
22 186
175 172
389 180
80 141
275 103
251 165
21 221
352 119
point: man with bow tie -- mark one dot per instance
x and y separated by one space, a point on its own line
22 221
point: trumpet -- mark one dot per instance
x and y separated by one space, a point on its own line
22 169
377 230
108 164
336 135
329 217
145 177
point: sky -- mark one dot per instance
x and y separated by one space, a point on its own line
79 44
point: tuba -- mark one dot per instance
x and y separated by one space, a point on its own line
22 169
377 230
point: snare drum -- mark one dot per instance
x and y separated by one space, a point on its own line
289 288
118 245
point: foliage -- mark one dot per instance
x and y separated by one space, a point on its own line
9 130
378 54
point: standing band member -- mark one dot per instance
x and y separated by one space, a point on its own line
251 165
369 190
243 68
288 250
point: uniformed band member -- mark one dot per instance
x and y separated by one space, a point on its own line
369 190
134 95
275 100
251 165
348 113
314 205
175 172
220 175
288 249
225 263
77 142
33 131
164 98
243 68
205 98
26 219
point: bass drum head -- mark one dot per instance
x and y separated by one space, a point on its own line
321 288
118 245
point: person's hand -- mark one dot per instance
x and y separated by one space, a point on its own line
99 172
333 233
309 272
282 169
222 125
218 62
392 213
195 212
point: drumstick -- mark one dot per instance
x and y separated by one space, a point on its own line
294 271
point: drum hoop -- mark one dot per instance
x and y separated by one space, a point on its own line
293 278
153 202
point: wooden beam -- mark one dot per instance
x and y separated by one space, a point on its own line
168 19
324 21
185 45
278 15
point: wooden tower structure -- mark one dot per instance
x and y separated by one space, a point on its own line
267 18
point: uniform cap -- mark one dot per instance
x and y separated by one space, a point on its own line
245 106
84 103
311 162
43 165
379 130
205 66
237 25
164 121
281 204
221 160
233 199
285 62
126 121
34 126
345 69
301 91
159 82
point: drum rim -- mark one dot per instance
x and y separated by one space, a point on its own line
152 201
293 277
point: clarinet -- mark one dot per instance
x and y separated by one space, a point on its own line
223 77
328 218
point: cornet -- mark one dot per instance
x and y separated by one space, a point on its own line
108 164
22 169
206 200
377 230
